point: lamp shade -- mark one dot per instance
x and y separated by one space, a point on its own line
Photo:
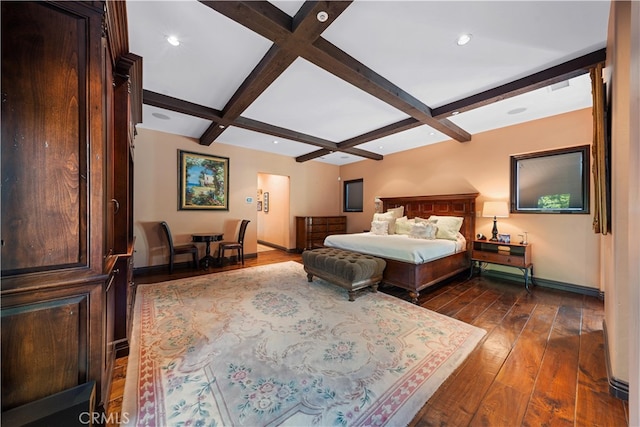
495 209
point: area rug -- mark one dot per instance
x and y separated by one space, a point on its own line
261 346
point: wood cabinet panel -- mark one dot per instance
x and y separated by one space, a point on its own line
45 111
67 153
47 342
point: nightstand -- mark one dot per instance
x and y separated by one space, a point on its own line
510 254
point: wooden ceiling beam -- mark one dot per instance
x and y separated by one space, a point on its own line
180 106
287 33
558 73
335 61
391 129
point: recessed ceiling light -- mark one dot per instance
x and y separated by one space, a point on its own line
463 39
517 110
275 142
432 133
221 126
455 113
173 41
380 147
161 116
322 16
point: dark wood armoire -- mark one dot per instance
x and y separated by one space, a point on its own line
71 96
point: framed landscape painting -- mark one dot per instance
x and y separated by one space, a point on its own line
204 181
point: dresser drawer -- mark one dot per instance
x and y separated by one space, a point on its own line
337 220
499 258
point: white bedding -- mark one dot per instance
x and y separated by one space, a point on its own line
399 247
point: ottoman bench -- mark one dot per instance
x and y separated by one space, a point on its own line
349 270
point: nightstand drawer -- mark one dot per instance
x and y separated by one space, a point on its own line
499 258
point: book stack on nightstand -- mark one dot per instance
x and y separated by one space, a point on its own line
509 254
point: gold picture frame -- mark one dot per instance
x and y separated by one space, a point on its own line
204 181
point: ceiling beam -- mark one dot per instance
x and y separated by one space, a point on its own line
335 61
185 107
558 73
391 129
178 105
300 36
288 33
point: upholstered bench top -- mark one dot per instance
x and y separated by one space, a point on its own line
348 265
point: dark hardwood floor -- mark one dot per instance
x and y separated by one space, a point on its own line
542 361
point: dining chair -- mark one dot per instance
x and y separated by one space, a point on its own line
179 249
236 246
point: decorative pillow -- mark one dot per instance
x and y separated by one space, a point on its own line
390 218
397 212
423 230
380 228
403 225
429 221
448 226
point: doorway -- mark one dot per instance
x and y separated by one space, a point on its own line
273 217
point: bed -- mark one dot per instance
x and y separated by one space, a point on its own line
414 271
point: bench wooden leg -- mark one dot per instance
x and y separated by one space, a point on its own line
352 295
374 287
309 277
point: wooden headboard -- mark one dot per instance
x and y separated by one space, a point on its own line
463 205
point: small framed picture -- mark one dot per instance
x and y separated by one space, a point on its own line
504 238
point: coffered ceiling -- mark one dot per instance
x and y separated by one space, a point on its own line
374 78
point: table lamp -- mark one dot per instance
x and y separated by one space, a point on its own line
495 210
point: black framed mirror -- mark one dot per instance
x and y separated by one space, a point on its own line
554 181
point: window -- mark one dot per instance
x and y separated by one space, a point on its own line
555 181
353 195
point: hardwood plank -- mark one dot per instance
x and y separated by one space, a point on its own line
553 398
478 372
593 392
518 374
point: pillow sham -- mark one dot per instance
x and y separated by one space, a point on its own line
423 230
448 226
397 212
388 217
403 225
380 228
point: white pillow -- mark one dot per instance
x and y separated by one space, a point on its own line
448 226
429 221
423 230
397 212
403 225
390 218
380 228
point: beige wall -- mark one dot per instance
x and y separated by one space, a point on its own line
620 248
564 247
314 189
634 224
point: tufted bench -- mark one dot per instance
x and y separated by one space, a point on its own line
349 270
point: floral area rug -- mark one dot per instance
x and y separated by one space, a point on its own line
262 346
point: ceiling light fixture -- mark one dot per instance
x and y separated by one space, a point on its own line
173 41
275 142
463 39
322 16
517 110
161 116
221 126
455 113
